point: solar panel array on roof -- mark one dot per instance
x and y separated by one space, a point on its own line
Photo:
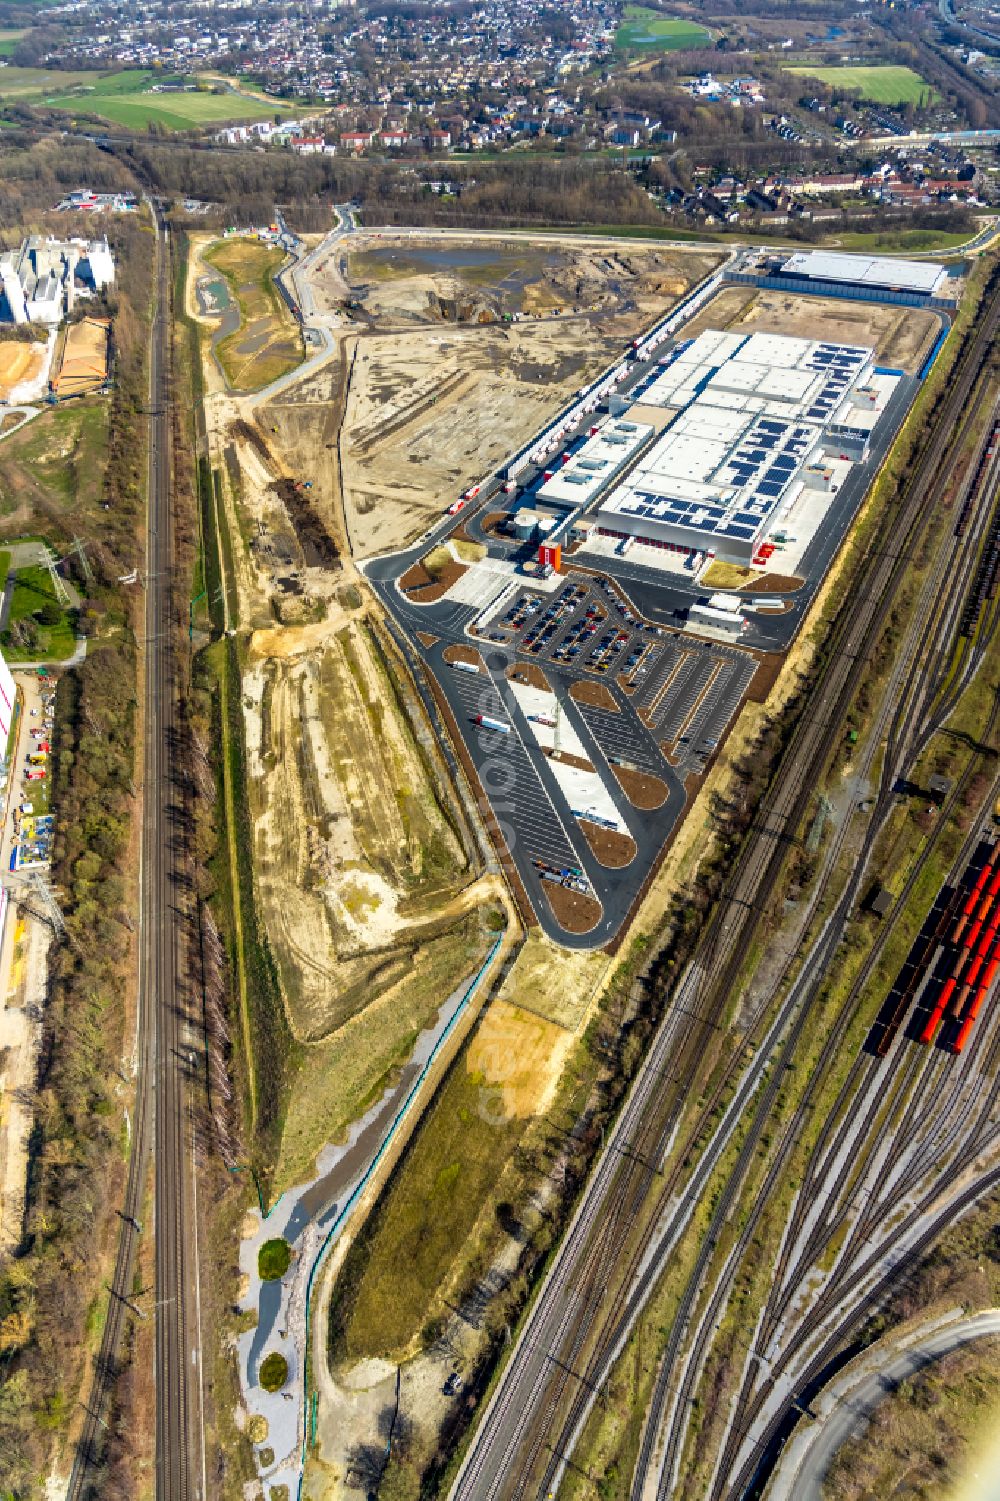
749 414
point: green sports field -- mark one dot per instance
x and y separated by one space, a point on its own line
127 98
881 83
643 29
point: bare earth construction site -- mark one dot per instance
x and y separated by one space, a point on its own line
501 570
718 452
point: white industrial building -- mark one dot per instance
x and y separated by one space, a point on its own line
8 697
879 272
576 478
757 418
40 281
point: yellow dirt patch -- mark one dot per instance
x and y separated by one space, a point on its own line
556 984
521 1056
18 362
284 642
727 576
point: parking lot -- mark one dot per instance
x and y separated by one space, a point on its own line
691 696
682 690
586 625
522 805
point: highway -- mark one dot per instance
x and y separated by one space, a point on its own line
519 1433
161 1120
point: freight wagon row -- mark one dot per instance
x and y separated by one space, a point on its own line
975 940
982 469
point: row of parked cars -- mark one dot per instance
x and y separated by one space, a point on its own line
547 624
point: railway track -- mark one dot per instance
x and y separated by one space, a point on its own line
179 1427
902 728
913 731
161 1124
504 1456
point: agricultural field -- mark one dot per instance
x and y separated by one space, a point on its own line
266 342
643 29
33 85
127 98
9 40
54 467
880 84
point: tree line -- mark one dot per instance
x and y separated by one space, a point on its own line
50 1289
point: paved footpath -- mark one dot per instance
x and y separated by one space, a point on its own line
310 1217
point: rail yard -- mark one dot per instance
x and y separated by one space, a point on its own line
869 1194
568 647
520 823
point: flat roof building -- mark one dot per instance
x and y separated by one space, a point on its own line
40 281
870 271
604 454
755 415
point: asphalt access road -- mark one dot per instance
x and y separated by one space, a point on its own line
659 597
532 810
846 1406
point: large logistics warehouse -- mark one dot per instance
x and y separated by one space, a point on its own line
757 417
880 272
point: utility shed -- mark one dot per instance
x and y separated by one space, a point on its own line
880 902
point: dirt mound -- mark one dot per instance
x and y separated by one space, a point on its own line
318 547
247 433
459 309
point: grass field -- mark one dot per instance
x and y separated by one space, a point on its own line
8 41
423 1223
33 592
125 98
30 85
345 1075
648 30
268 343
903 239
55 463
881 84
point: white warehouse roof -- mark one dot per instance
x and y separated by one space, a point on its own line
596 463
872 271
753 418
